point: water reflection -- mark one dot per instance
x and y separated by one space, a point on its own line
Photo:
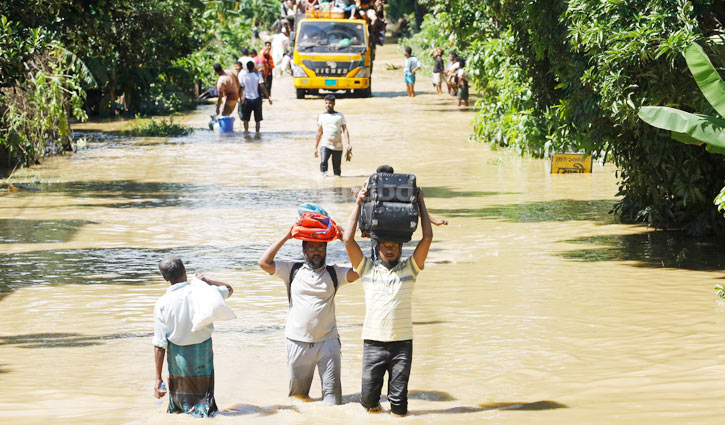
132 265
653 249
534 212
447 192
154 195
38 231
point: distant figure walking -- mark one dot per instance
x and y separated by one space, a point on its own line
437 54
462 78
331 126
268 68
251 84
411 66
188 353
227 87
280 45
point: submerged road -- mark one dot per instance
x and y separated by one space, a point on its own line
535 307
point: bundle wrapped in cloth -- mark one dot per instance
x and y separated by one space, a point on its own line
315 227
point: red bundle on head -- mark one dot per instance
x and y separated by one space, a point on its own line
315 227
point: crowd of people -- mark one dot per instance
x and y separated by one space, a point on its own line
312 339
454 75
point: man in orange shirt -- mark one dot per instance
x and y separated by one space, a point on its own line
227 86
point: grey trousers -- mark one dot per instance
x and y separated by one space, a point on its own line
303 357
395 358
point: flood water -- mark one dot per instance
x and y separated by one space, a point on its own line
535 306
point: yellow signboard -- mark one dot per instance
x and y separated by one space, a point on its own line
571 163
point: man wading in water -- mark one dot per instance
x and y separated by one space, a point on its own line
189 353
388 326
331 126
227 86
311 331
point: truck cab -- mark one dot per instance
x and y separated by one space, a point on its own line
332 53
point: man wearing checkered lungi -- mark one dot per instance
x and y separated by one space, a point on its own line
188 353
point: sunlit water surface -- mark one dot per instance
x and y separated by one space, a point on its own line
535 307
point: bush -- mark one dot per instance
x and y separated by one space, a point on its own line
153 128
572 75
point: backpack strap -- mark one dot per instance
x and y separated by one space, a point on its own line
333 275
293 271
296 267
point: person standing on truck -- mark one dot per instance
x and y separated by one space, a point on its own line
411 66
228 90
331 126
251 84
311 330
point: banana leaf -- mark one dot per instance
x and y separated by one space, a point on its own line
706 77
704 128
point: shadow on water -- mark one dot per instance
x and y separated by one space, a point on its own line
64 340
39 231
250 409
515 405
534 212
651 249
134 194
447 192
390 94
132 266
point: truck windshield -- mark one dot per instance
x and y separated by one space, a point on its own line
331 37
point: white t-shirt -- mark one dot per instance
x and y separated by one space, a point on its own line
311 316
244 60
411 63
331 130
251 81
172 317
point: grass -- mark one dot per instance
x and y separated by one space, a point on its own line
153 128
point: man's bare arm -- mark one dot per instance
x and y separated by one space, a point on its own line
421 251
266 261
159 354
353 249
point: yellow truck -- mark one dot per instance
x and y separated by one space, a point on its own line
332 53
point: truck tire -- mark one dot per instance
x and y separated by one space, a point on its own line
366 92
301 93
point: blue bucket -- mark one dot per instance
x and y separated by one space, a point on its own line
226 123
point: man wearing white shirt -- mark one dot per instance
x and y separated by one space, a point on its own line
251 83
189 353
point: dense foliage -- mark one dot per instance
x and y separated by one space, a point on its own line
562 75
147 56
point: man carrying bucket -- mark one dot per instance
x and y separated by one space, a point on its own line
311 330
228 88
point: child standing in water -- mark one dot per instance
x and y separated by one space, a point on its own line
411 66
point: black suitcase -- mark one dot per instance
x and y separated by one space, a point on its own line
392 188
390 211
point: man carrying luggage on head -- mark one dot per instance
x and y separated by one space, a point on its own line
311 331
388 326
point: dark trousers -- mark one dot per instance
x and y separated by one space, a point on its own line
392 357
336 160
268 83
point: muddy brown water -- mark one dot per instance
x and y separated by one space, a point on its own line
535 307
